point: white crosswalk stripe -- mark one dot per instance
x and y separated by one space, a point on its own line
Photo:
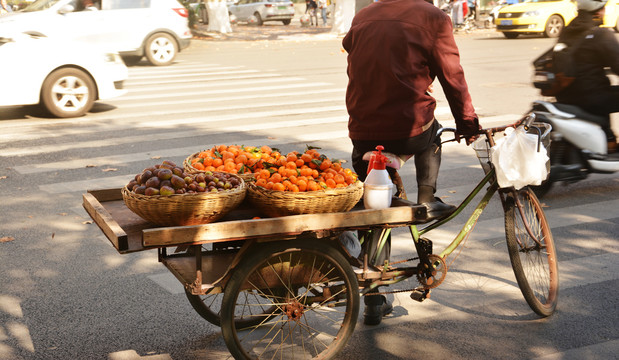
263 101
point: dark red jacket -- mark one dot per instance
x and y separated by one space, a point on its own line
396 48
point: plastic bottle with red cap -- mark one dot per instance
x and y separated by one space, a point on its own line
378 187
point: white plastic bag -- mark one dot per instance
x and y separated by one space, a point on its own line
517 161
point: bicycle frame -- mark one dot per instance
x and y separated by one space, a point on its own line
416 232
471 221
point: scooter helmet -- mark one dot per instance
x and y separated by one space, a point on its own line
591 5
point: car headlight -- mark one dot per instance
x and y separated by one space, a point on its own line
532 13
113 58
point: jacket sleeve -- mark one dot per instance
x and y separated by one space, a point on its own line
445 64
611 50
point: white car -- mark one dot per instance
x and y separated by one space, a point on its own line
263 10
157 29
64 77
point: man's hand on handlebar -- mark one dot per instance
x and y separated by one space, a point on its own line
469 131
468 138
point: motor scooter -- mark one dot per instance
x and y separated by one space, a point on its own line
578 145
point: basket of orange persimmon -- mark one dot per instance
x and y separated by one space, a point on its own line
244 161
166 195
304 183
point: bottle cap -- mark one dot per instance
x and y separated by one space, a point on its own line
378 161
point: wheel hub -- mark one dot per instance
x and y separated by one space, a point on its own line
294 310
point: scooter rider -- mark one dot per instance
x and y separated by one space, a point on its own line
591 90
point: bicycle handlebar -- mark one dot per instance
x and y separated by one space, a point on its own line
526 121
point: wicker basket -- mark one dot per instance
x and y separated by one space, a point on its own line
184 209
191 170
282 203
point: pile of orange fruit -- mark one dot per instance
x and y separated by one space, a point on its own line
234 159
308 171
295 171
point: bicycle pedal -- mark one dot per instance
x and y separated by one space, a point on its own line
420 295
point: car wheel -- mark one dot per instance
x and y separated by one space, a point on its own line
258 19
286 22
161 49
132 60
511 35
68 92
554 25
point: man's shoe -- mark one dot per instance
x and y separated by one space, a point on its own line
438 209
375 310
612 147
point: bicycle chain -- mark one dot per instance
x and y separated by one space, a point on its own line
395 291
390 292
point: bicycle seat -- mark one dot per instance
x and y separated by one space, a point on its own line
395 161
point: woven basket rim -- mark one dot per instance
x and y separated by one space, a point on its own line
242 187
329 191
184 209
283 203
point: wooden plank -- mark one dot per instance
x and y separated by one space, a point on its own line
282 226
105 221
119 224
105 195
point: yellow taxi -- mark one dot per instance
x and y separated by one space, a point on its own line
547 17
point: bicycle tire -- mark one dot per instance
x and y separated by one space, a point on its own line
535 267
206 306
308 325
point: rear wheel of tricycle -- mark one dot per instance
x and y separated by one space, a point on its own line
316 293
532 251
209 307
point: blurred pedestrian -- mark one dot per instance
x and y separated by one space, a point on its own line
5 8
310 9
457 12
322 5
89 5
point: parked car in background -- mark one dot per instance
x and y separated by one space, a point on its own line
157 29
547 17
63 76
263 10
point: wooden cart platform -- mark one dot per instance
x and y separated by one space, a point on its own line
129 233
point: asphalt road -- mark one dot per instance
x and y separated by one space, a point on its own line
65 293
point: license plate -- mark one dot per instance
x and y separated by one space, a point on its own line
506 22
282 7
